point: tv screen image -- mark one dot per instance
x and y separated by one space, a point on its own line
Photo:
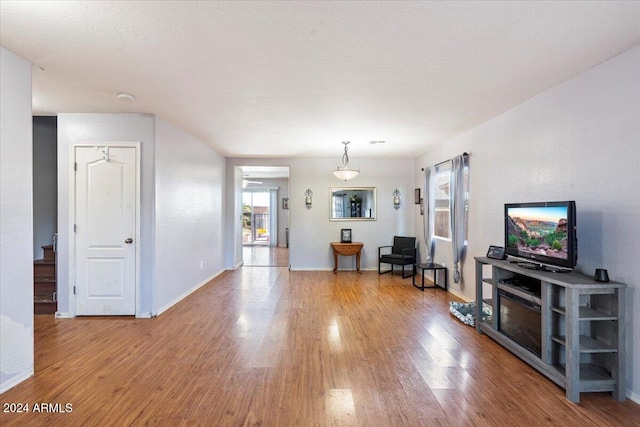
544 232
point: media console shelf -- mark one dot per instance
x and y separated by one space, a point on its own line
581 326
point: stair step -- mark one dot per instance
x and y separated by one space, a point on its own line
48 252
47 289
44 267
44 283
45 307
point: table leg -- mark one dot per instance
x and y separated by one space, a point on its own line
358 262
335 261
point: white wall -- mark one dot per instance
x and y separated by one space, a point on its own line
78 128
189 185
16 221
45 191
181 216
577 141
311 231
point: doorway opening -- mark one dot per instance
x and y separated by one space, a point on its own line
265 216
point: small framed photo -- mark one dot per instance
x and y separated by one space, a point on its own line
421 206
345 235
417 196
285 203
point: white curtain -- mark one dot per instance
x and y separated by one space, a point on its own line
273 217
457 212
429 210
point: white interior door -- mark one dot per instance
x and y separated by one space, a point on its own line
105 229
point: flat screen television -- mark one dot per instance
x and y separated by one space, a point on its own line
542 234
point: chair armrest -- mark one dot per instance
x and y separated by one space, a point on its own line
380 249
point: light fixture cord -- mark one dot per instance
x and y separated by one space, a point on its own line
345 156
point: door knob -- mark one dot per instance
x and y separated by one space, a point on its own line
129 241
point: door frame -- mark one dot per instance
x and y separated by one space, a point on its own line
72 217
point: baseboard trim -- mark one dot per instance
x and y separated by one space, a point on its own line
16 380
235 267
459 295
63 315
186 294
634 397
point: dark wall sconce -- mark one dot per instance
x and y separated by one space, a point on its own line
307 198
396 199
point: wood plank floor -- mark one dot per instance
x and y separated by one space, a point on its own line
265 256
265 346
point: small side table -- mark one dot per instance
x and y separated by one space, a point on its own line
434 268
346 249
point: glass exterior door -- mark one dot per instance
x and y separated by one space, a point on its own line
255 218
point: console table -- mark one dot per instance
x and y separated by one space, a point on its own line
346 249
582 343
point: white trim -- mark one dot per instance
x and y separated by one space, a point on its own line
71 260
72 220
144 315
235 267
255 189
634 397
16 380
187 293
459 295
63 315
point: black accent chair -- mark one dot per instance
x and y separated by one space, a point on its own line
403 252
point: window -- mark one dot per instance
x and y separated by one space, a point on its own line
338 206
443 179
442 227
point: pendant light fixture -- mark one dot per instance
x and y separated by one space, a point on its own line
343 172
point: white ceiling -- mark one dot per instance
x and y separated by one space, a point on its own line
294 79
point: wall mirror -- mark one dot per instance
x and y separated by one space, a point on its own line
352 203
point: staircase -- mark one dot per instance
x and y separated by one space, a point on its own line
44 283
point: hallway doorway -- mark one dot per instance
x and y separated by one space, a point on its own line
265 216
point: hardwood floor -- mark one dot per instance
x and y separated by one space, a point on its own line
265 346
265 256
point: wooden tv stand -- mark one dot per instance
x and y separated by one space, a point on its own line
582 348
